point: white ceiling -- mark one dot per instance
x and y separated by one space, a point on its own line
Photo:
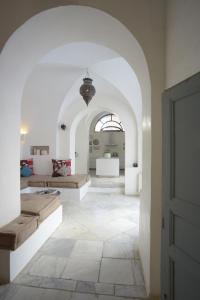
82 55
59 75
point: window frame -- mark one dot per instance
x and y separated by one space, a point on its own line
118 126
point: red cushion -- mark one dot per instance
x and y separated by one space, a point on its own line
58 164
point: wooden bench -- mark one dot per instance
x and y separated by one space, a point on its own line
39 205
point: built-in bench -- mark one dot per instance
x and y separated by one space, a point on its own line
21 238
39 205
16 232
74 186
34 180
73 181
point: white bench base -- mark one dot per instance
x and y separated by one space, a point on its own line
74 194
68 193
12 262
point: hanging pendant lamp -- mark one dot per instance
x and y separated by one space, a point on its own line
87 90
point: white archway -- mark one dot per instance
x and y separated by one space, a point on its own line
27 45
76 113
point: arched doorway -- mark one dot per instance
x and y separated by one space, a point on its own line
79 118
39 35
106 135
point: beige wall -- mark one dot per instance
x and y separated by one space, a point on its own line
182 40
145 19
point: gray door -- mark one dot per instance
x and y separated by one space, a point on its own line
181 191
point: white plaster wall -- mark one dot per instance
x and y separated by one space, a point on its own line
9 144
66 139
44 92
82 147
182 40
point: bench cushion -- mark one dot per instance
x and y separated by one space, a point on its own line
39 205
16 232
38 180
74 181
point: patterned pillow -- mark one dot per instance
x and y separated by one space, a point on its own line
61 167
26 163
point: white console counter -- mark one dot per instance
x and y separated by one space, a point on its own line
107 167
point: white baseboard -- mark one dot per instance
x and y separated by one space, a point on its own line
74 194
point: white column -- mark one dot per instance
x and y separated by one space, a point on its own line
9 150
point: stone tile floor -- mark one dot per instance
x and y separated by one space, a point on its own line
92 255
107 181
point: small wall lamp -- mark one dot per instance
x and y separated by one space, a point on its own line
63 126
23 133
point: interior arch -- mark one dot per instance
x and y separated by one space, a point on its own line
87 115
42 33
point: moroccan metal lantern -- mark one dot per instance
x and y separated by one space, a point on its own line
87 90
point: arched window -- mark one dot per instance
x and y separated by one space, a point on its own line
109 122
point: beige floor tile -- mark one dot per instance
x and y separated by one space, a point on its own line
117 271
82 269
49 266
89 249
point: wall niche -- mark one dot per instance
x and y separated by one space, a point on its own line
39 150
